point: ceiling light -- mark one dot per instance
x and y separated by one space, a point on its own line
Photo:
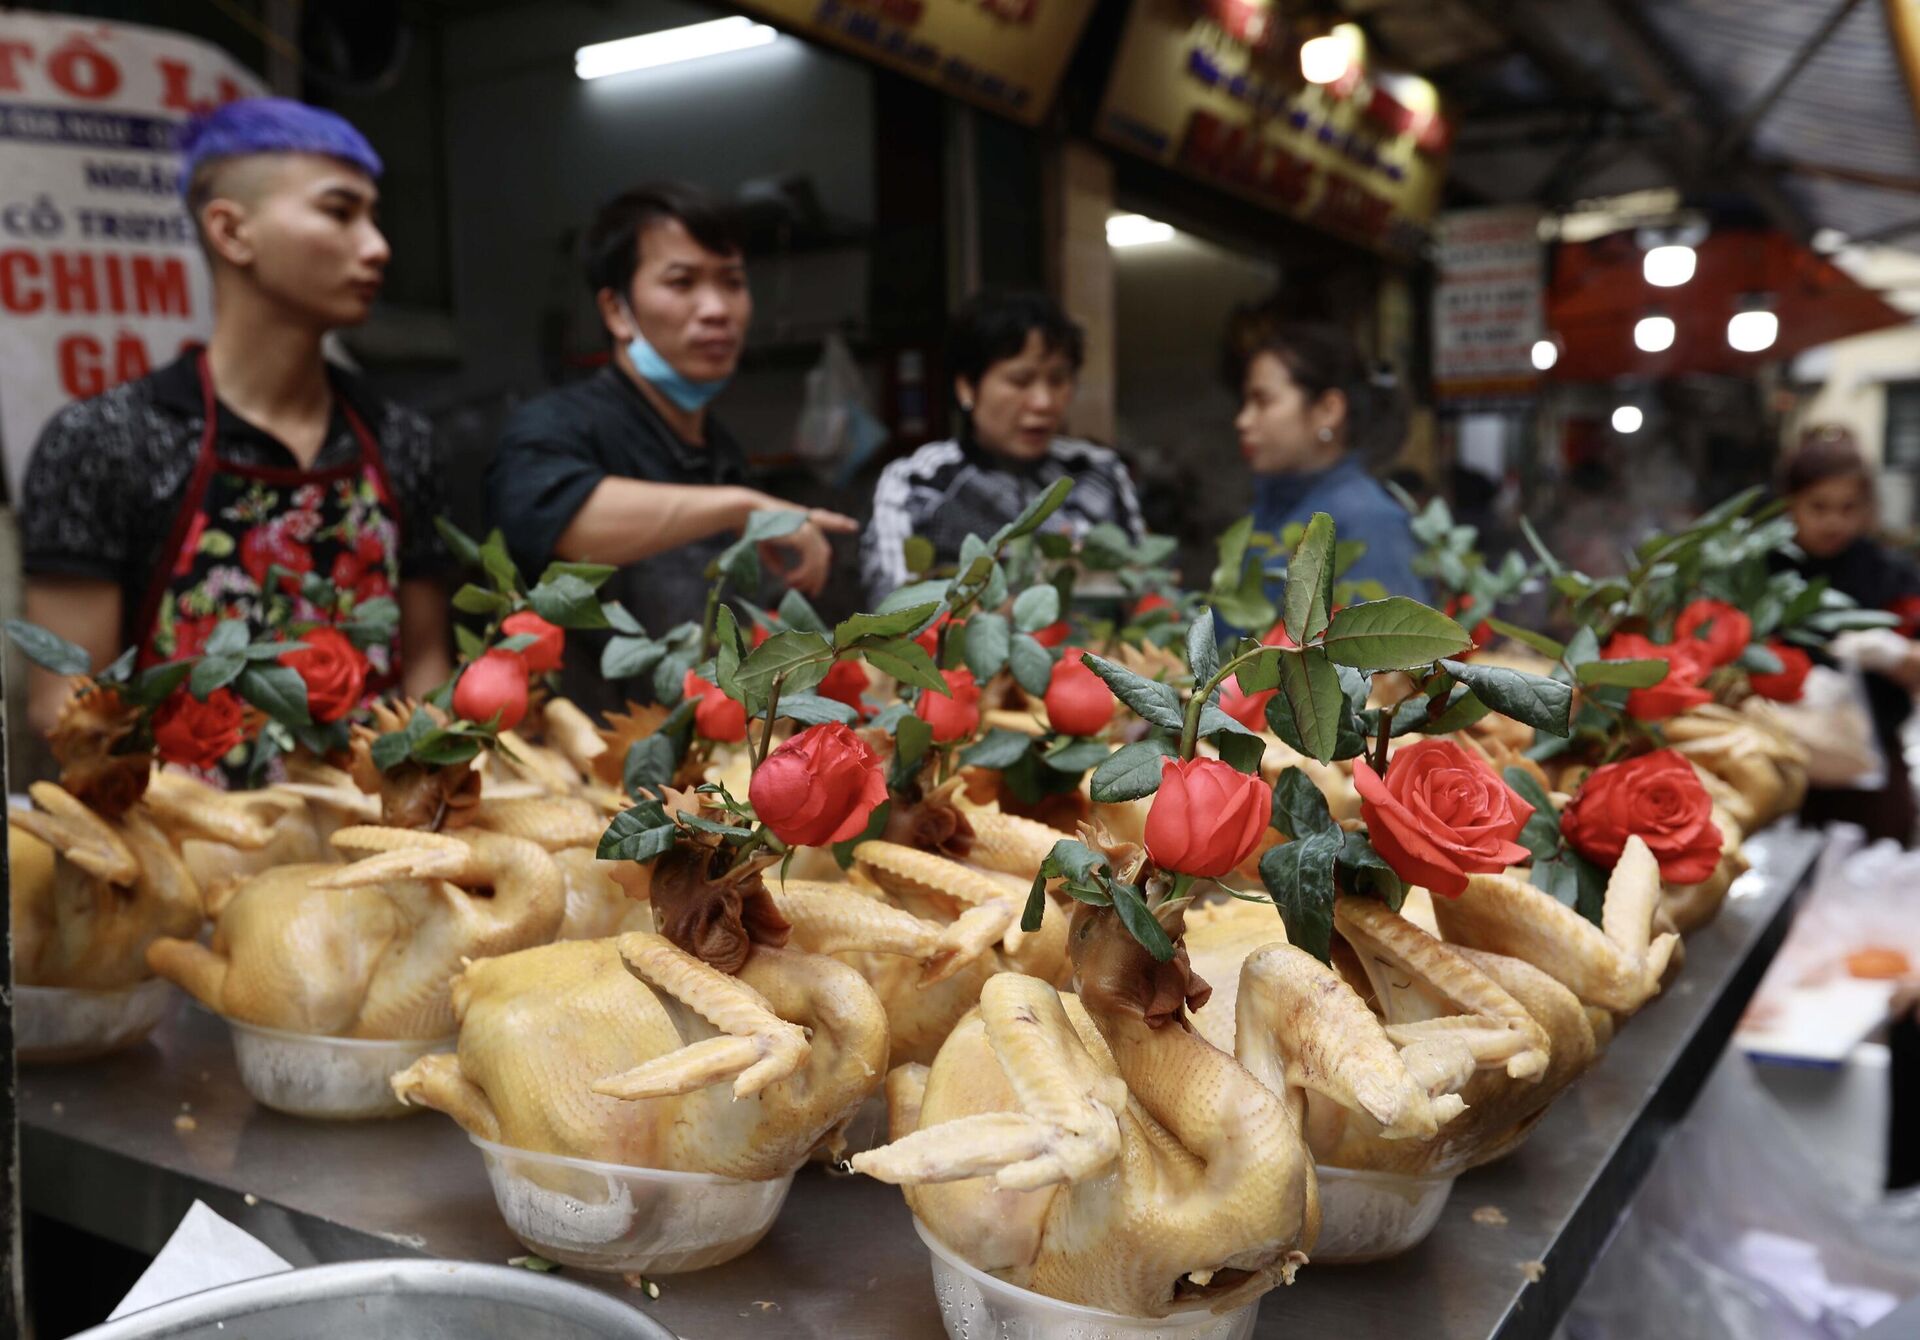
1627 419
1669 266
1326 59
651 50
1753 331
1545 354
1136 230
1653 334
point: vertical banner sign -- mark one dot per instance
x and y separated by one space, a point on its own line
101 278
1488 301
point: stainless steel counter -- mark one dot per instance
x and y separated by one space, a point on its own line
122 1146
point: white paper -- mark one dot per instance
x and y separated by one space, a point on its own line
205 1251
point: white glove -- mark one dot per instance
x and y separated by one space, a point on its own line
1877 649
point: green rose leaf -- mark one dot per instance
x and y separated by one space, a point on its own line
569 602
156 683
1299 877
1034 515
464 548
1141 924
629 657
444 749
1393 634
915 593
1151 700
471 599
885 627
1540 642
1541 834
1367 872
1260 673
1032 664
907 662
812 710
1075 756
1242 753
212 673
1035 608
911 740
1572 879
498 563
796 611
918 553
48 650
1309 594
799 660
638 834
1758 660
651 763
1203 651
275 690
986 644
1542 703
620 619
593 574
999 748
1636 674
1131 771
1315 700
1299 807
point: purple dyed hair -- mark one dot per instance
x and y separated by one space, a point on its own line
271 126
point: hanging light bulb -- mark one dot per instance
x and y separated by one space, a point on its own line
1653 334
1754 328
1545 354
1627 419
1327 58
1669 266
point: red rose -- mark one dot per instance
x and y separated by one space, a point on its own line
1278 636
334 670
717 717
1078 701
955 714
496 683
347 570
194 733
1724 630
1680 691
1786 684
929 637
1481 633
1908 608
1657 798
190 634
1206 817
543 655
1149 603
1440 815
269 544
847 683
1054 633
1249 709
818 788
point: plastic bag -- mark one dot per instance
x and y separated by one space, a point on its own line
837 431
1835 724
1863 898
1739 1233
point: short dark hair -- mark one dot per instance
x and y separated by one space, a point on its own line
1321 358
993 325
610 247
1827 451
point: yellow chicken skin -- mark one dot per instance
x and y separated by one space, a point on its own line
1095 1149
368 950
622 1050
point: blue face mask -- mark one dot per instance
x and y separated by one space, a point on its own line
684 391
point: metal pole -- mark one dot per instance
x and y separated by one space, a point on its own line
1741 130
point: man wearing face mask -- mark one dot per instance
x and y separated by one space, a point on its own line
630 467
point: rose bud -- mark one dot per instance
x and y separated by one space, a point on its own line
929 637
847 683
1481 633
1441 814
333 669
1658 798
1206 817
1054 633
541 656
1149 603
197 734
1249 709
1078 701
820 787
1679 692
1789 682
1720 628
955 714
496 683
716 717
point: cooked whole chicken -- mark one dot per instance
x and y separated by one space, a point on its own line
369 949
710 1048
1752 750
1095 1149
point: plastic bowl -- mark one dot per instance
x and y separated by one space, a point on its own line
974 1306
336 1079
1367 1216
626 1220
57 1023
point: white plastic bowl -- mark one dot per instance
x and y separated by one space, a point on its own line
336 1079
57 1023
623 1219
976 1306
1368 1216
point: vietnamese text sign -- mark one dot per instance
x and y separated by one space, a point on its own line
101 277
1205 86
1005 55
1487 303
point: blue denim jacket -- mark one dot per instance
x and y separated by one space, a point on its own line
1361 510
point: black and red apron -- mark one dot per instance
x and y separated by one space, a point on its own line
236 521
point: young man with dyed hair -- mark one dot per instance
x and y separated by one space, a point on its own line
158 508
629 466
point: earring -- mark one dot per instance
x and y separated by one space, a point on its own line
1326 434
966 406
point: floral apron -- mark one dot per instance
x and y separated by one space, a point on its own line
236 521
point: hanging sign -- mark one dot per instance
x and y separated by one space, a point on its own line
1212 88
101 278
1488 301
1005 55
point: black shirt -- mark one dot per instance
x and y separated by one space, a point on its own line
1874 577
108 475
554 451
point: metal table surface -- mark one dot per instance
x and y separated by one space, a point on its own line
121 1147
